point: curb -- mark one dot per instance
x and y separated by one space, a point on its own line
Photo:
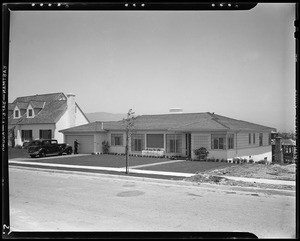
159 173
207 186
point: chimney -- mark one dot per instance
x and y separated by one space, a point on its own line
278 155
176 111
71 110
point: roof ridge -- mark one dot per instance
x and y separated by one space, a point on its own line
186 124
215 118
245 121
40 94
168 114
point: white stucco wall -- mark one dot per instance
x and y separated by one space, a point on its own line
80 119
64 123
61 124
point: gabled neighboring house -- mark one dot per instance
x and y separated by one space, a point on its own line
42 116
179 134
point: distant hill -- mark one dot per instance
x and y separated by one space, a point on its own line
104 116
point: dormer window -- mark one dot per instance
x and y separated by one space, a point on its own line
17 113
30 113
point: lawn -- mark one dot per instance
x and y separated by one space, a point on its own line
119 162
17 153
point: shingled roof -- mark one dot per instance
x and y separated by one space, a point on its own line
177 122
52 107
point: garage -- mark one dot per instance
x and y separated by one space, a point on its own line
86 143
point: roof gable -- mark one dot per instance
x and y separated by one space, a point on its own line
48 108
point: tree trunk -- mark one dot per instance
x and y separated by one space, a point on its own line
126 153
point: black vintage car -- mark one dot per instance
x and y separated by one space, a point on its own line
42 148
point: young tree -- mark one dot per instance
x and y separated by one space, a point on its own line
129 126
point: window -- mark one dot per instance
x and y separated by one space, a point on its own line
249 139
16 113
137 142
174 143
30 113
155 141
270 139
116 139
253 138
260 139
26 135
45 134
230 141
218 141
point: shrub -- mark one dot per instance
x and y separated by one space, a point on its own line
18 146
201 153
261 162
236 160
251 161
105 147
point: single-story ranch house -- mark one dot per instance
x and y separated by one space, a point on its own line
42 116
178 135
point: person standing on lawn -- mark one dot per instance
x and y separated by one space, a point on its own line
76 144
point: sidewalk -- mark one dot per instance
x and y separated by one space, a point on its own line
149 172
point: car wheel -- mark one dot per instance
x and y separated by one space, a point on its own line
42 154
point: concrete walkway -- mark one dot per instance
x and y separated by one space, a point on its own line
157 163
149 172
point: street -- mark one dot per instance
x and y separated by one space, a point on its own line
58 201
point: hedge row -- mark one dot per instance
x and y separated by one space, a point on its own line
235 160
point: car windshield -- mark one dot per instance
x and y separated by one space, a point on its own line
34 143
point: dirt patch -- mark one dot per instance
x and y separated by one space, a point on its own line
272 171
206 178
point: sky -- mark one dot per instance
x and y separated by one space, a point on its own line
239 64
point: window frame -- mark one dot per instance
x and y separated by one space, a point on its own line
25 136
113 139
137 138
41 135
215 141
261 139
161 142
230 141
174 143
